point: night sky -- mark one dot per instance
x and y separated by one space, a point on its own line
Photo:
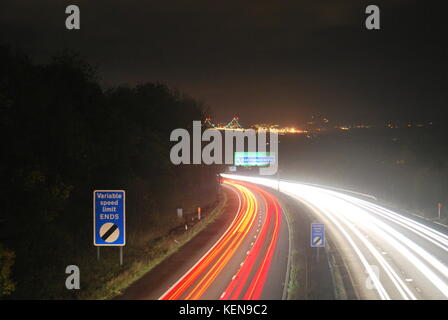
266 61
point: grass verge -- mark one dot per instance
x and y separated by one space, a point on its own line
143 260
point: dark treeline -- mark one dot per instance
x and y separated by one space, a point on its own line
63 136
406 167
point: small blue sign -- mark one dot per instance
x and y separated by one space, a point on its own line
317 235
109 218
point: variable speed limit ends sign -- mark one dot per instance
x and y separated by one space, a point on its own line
317 235
109 218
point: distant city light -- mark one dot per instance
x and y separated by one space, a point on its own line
314 126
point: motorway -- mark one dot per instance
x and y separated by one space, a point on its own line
388 255
247 259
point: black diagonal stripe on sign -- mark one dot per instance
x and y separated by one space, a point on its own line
109 232
316 240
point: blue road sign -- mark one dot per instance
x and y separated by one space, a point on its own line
109 218
317 235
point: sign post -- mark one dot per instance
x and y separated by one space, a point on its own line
109 222
440 207
317 237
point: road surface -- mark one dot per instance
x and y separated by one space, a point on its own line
388 255
245 260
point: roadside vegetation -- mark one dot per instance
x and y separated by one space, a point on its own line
297 282
311 277
141 259
65 135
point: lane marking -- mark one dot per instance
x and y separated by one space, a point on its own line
214 245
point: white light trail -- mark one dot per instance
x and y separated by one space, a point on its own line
419 250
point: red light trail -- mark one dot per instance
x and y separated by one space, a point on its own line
250 278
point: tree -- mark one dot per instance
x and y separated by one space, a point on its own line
7 257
